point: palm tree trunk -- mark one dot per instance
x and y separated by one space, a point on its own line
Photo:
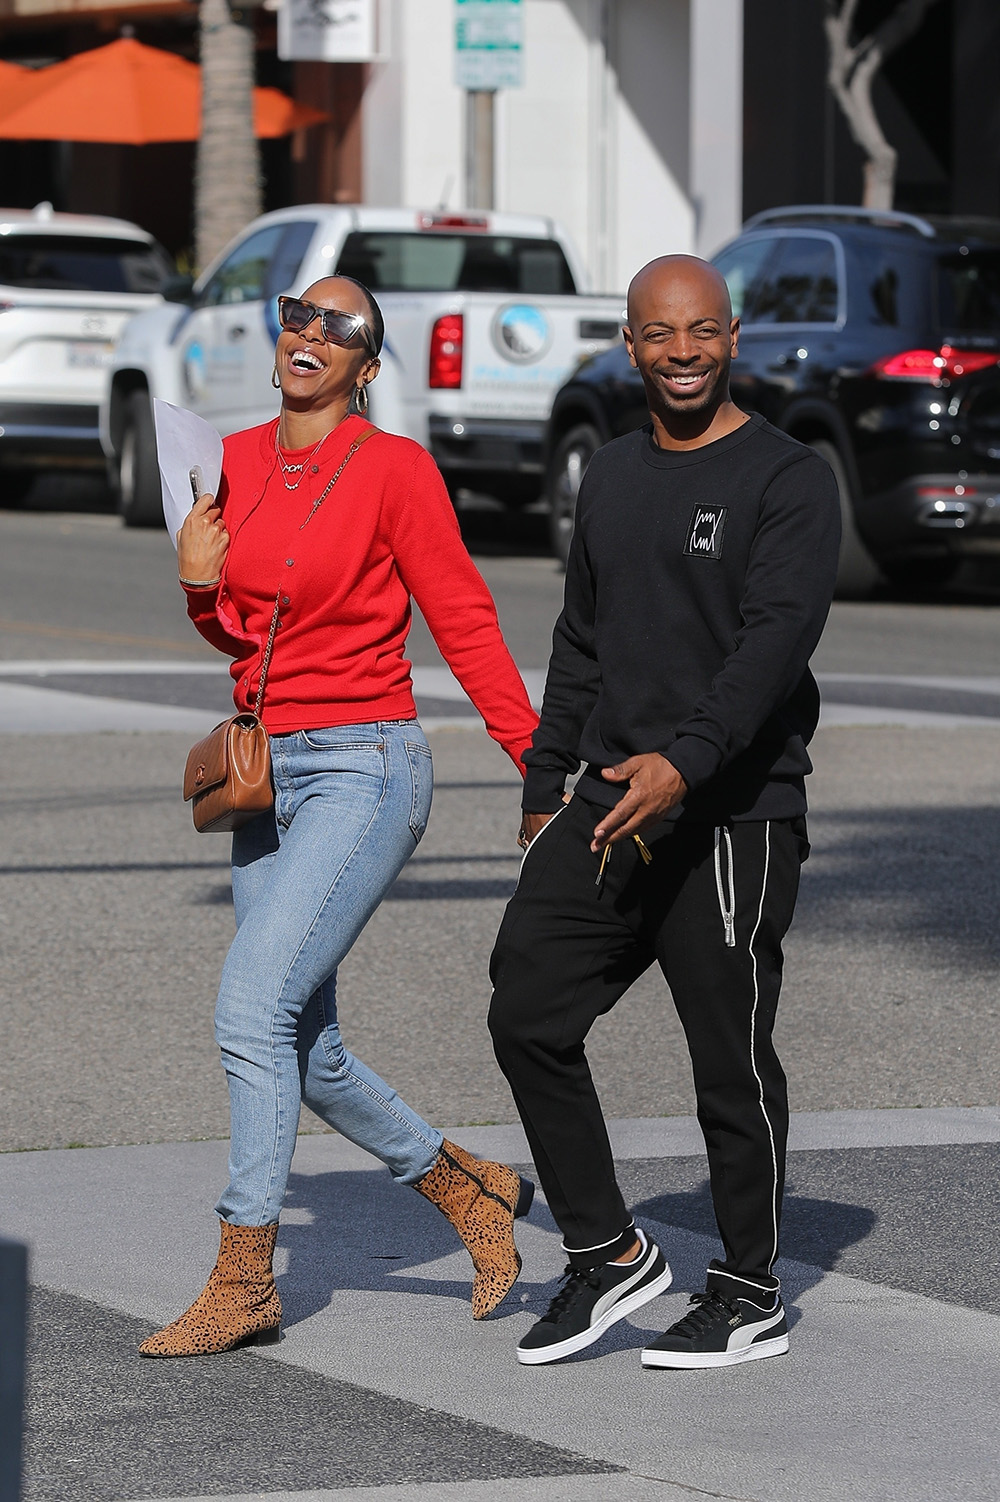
227 172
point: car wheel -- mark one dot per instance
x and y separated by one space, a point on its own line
857 571
15 484
921 573
140 503
569 465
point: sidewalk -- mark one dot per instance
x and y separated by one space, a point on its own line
384 1388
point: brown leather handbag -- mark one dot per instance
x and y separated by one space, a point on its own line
227 779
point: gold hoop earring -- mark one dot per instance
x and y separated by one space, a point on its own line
361 400
275 378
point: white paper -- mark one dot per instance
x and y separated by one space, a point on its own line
184 440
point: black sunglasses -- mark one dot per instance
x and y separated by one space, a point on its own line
338 328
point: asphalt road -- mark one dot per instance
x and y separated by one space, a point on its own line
115 918
116 914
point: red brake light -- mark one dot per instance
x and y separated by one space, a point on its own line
452 221
934 365
445 372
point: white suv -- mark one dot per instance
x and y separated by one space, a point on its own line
68 285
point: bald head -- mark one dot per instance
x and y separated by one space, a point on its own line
661 282
681 336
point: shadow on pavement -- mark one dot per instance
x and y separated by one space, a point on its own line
366 1233
920 874
69 490
813 1231
488 528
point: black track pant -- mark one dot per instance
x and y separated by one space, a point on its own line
569 948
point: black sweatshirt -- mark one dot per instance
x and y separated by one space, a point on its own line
697 586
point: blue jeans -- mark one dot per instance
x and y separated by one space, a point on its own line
351 803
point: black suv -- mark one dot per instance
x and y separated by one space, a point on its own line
874 337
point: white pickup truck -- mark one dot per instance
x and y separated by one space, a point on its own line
484 321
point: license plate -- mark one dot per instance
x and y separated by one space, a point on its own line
89 353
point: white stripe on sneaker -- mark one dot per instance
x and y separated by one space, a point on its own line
622 1304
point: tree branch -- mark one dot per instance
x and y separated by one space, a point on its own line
900 25
850 75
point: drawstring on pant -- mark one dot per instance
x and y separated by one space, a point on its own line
644 852
727 909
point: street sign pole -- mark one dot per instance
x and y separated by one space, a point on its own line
488 57
480 156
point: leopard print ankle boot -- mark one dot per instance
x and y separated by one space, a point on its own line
482 1200
239 1305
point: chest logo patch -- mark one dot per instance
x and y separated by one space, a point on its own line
704 538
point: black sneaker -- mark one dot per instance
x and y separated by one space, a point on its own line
721 1331
589 1303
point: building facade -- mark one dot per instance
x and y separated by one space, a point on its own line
617 131
641 125
621 130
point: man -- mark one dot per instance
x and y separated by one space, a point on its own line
698 583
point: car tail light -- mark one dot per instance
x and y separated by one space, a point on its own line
452 221
934 365
446 352
6 307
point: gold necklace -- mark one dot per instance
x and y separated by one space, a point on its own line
296 469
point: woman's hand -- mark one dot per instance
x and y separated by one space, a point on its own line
202 542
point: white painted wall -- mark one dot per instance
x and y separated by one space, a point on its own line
542 137
716 177
607 136
651 210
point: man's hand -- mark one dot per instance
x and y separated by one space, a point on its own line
202 542
531 824
654 788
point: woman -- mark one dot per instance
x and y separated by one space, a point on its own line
339 525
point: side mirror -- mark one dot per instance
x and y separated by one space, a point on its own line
178 288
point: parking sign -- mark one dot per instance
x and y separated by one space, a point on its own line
489 44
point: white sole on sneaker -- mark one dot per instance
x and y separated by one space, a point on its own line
627 1305
692 1360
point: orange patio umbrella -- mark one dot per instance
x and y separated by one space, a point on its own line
12 76
126 93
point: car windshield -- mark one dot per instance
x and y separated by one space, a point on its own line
969 293
439 262
81 263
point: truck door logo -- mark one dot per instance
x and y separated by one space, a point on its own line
704 539
195 373
521 333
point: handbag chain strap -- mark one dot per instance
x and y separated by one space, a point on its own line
267 655
368 433
258 702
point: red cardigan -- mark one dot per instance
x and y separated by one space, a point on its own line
386 532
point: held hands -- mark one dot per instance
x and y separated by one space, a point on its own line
654 788
202 542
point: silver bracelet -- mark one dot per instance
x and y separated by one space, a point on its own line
200 583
